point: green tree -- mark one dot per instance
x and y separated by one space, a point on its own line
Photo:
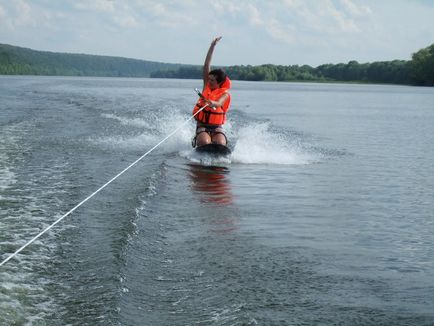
422 66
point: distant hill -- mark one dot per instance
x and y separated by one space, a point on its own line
21 61
16 60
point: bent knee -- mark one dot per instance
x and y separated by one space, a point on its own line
219 139
203 138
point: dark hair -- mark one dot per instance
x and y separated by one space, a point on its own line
219 75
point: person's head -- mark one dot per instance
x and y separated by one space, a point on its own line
216 77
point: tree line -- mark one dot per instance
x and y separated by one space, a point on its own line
417 71
20 61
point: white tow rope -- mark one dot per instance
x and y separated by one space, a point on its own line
100 188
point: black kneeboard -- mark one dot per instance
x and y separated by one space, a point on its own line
214 149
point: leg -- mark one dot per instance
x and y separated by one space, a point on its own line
203 138
218 137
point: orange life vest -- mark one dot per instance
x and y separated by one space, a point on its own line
213 116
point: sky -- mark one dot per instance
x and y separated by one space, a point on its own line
285 32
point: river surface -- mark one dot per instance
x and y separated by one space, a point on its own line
323 215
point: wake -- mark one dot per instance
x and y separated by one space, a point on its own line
252 143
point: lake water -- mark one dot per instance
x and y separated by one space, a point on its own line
324 215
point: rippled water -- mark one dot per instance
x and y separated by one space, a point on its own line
322 216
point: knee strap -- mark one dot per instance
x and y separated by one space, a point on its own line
200 130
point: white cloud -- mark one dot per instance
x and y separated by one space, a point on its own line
274 28
339 22
255 18
120 13
295 21
278 31
16 14
175 15
354 9
322 17
156 9
126 21
225 7
95 5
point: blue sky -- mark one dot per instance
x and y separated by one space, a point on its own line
254 32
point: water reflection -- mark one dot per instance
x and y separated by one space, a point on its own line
212 184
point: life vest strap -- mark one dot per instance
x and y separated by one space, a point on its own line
210 111
207 116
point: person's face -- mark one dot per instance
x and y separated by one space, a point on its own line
212 82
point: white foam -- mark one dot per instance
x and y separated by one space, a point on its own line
257 144
9 143
122 142
133 122
204 159
170 121
156 126
7 178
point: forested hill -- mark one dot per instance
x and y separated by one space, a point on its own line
22 61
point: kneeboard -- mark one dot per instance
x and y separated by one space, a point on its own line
214 149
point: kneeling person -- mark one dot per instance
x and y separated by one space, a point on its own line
217 98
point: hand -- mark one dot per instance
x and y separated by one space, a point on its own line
215 41
211 104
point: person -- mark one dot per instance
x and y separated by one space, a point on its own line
215 95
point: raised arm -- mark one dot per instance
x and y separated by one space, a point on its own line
207 64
